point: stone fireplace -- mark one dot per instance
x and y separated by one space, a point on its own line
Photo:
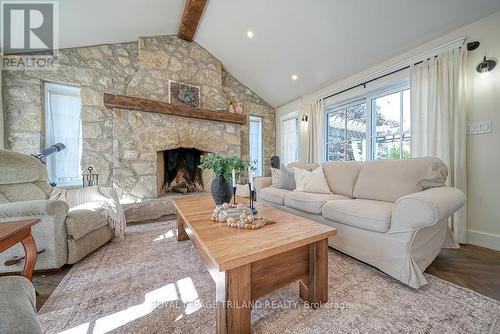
139 138
123 144
177 171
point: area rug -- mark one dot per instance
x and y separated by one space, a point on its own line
150 283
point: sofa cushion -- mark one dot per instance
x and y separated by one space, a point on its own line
22 192
84 219
17 306
286 180
20 168
341 176
309 202
274 195
303 165
362 213
311 182
389 180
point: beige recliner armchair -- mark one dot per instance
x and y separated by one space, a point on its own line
73 223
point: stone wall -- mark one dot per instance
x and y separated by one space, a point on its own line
255 106
139 69
98 69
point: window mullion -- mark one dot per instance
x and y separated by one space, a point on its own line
401 124
369 129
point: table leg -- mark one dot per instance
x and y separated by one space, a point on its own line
316 292
234 301
31 254
181 232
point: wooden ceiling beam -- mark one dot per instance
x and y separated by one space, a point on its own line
193 9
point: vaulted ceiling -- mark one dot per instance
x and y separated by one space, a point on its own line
321 41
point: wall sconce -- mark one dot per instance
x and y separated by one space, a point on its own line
305 118
485 67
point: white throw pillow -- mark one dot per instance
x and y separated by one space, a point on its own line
311 182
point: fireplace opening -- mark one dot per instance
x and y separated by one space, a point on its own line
178 171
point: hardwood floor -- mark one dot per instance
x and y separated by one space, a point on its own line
472 267
46 283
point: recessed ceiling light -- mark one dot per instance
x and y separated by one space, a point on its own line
250 34
294 77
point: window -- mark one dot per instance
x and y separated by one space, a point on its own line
391 126
63 124
290 138
374 126
346 132
256 144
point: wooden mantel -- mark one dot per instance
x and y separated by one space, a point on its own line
134 103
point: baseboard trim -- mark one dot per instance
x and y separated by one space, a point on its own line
484 239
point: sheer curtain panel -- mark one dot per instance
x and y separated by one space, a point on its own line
438 108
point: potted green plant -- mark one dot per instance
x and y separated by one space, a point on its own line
222 166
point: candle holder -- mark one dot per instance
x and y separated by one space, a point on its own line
90 179
252 195
234 194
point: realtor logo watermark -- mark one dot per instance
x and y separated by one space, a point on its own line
29 34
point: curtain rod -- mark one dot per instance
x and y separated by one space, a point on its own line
470 47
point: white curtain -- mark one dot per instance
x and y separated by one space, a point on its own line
64 126
315 131
289 140
438 90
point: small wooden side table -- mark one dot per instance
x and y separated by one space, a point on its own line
16 231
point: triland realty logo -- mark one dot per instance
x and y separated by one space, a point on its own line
29 34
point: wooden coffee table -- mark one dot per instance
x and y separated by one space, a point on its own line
16 231
248 264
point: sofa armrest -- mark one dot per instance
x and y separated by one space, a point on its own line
261 183
34 208
17 306
425 208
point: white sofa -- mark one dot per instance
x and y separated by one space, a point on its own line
381 216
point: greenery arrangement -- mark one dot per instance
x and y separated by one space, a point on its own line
223 165
395 153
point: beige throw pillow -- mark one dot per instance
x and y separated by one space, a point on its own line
311 182
433 180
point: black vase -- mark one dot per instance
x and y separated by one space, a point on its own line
222 191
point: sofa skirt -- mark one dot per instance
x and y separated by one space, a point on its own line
402 255
78 249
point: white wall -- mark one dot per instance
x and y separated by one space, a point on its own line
483 162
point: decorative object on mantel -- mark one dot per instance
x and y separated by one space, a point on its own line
223 167
232 102
139 104
184 94
238 108
90 179
238 216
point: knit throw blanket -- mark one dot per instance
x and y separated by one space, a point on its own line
102 199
